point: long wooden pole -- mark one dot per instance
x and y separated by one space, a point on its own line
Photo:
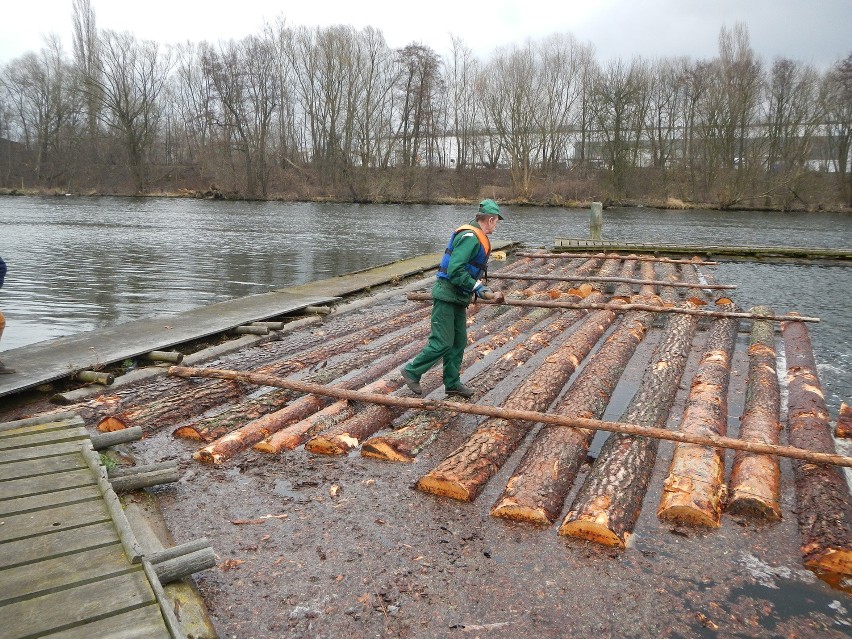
514 301
597 278
524 415
616 256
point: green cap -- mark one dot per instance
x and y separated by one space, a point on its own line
489 207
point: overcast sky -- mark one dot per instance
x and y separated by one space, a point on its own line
817 32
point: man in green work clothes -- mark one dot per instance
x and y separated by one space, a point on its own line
460 279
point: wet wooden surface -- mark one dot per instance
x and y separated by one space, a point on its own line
63 568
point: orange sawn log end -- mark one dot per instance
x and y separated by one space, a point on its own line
110 424
443 487
844 421
507 509
593 531
377 448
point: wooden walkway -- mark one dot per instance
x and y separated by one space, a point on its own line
70 565
785 253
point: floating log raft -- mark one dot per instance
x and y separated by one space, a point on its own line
187 402
824 505
227 446
624 280
465 472
537 489
608 503
520 415
694 489
755 484
216 426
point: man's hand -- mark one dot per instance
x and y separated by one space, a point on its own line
485 293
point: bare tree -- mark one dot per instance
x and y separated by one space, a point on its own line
838 101
245 78
460 70
134 73
88 66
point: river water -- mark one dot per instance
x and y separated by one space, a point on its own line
78 264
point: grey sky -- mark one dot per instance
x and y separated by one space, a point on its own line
815 32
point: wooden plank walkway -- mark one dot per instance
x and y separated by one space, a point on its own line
751 252
69 563
53 359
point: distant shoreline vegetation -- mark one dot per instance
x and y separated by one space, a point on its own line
334 114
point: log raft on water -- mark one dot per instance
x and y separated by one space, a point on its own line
694 489
465 472
823 502
406 442
755 484
537 489
184 402
608 503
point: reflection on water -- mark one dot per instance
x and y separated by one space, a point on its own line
76 264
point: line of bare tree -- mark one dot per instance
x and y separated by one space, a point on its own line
295 112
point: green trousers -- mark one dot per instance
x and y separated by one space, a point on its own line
447 340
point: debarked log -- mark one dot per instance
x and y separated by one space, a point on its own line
144 476
537 489
412 403
694 489
824 505
465 472
755 484
608 503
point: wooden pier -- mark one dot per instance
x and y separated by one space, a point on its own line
63 357
70 565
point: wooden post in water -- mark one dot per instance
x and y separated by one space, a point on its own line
596 221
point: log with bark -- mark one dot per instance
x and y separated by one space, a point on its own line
465 472
625 280
823 502
236 441
183 403
694 489
215 426
412 403
406 442
755 484
537 489
608 503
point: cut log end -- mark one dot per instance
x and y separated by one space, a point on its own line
443 487
506 509
844 422
111 424
750 506
689 515
337 445
378 449
187 432
206 457
592 531
831 560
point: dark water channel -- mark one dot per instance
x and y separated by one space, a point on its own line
77 264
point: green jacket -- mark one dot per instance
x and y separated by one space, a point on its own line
465 248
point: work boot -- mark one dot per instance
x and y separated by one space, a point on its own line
459 391
5 370
412 382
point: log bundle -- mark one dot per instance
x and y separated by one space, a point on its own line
556 351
